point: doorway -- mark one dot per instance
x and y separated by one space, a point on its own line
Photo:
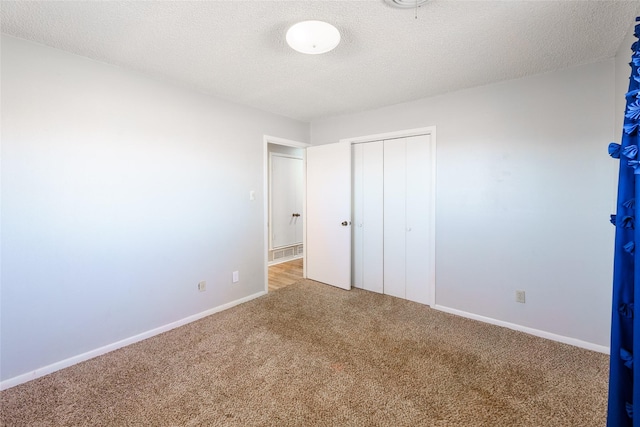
284 226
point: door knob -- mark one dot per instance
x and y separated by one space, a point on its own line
345 223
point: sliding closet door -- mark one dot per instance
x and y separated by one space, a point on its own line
395 192
418 239
368 216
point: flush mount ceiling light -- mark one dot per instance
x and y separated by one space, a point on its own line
406 4
313 37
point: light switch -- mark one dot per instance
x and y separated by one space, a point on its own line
252 195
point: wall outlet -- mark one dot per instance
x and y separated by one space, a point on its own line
236 277
520 296
202 286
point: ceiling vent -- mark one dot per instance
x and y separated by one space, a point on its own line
406 4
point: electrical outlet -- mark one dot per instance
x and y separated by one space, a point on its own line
202 286
236 277
520 296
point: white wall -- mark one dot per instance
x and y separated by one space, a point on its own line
119 194
524 192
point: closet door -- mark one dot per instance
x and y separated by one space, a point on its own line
407 222
368 216
418 239
395 192
357 261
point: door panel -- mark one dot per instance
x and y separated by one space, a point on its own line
328 250
357 260
298 178
368 216
394 217
418 247
373 221
286 199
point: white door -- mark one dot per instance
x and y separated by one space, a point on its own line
408 249
418 254
328 214
357 227
395 195
286 200
368 217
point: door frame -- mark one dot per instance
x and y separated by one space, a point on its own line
266 140
430 130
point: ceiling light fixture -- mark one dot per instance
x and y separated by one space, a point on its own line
313 37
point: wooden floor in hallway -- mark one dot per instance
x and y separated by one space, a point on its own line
285 274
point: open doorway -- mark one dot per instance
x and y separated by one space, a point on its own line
284 212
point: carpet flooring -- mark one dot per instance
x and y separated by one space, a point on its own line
313 355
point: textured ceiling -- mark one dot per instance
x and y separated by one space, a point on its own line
235 50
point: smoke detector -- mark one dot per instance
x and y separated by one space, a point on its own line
406 4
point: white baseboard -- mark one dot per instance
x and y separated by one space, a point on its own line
537 332
45 370
283 260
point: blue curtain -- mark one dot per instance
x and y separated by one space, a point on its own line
624 379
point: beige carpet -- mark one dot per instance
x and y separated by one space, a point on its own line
313 355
